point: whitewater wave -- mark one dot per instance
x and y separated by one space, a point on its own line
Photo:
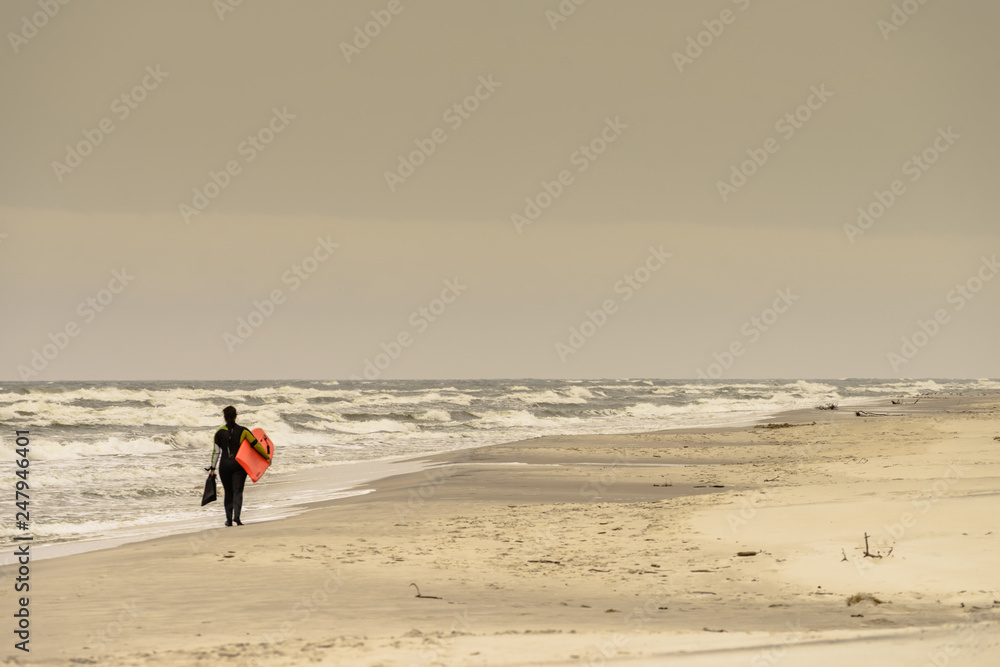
573 395
434 416
412 399
505 419
363 427
49 450
98 445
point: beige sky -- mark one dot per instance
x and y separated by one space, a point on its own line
308 137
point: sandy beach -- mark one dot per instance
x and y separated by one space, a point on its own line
543 305
727 546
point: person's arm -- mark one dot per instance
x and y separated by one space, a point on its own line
249 437
216 453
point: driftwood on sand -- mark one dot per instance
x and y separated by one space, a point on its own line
426 597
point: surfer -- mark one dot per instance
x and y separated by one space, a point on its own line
227 443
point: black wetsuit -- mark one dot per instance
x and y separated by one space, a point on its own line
227 444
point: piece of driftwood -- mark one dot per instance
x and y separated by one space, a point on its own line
874 555
868 554
426 597
863 597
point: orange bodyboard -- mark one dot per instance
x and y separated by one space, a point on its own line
250 460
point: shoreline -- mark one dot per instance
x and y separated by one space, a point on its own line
564 549
361 473
362 483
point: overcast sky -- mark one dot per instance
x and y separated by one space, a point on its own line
697 167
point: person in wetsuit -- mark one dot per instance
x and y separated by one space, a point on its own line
227 443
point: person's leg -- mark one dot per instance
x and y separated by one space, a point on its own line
225 474
239 479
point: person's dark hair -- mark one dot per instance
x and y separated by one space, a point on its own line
229 412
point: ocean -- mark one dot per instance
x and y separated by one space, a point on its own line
125 460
